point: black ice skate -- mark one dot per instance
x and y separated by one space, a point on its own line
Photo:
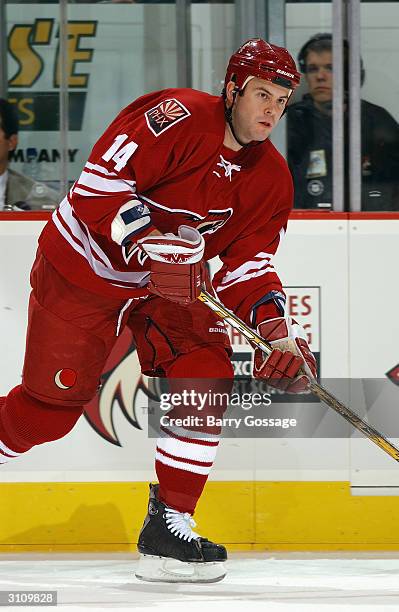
172 552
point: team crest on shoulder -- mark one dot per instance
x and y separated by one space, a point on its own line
165 115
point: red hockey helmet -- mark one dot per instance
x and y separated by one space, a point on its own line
257 58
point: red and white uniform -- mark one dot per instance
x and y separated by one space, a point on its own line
166 150
160 164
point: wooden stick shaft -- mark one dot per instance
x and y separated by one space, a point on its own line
322 393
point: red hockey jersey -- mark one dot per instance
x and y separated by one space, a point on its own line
166 149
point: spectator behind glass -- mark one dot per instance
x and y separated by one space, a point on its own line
18 192
310 138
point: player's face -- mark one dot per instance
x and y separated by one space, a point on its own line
6 145
319 75
257 112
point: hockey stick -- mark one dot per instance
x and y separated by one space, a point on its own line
329 399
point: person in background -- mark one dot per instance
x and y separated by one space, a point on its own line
310 136
17 191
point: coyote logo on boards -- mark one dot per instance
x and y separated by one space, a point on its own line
117 391
393 374
165 115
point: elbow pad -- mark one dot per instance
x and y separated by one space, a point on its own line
132 218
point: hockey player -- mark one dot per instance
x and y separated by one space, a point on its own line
178 177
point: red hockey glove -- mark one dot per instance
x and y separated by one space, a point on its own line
291 365
177 269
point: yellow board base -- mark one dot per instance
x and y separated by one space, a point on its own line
257 516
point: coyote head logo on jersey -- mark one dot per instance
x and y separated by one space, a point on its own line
214 220
168 219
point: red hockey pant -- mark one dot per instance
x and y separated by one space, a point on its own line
71 332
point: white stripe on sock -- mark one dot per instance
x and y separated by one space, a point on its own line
188 467
185 450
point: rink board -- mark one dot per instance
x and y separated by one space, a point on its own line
303 516
294 494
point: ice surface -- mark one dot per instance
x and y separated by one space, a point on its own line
287 582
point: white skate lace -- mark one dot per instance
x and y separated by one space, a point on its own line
180 524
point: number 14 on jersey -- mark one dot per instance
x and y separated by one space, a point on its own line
120 154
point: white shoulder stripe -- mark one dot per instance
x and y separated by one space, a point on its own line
97 249
106 172
262 260
101 268
103 184
99 168
246 277
67 235
243 269
90 194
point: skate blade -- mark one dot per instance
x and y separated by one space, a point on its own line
165 569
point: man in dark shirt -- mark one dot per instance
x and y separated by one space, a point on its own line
17 191
310 134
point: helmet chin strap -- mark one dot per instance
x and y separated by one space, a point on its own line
228 113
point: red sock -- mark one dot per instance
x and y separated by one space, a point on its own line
26 422
185 455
